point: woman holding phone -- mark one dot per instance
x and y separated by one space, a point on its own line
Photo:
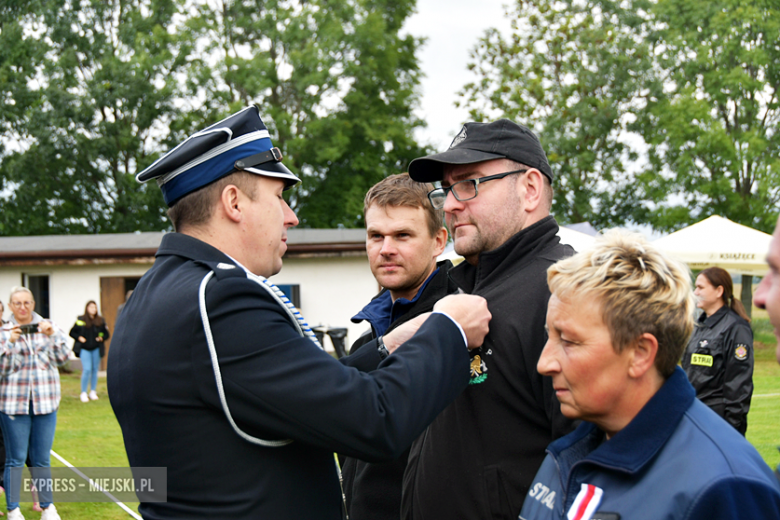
31 349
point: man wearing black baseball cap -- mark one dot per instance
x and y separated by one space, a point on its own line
215 376
479 456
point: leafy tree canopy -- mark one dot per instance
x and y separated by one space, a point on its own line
652 111
712 114
93 91
85 87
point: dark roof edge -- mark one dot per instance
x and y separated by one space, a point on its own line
77 253
118 254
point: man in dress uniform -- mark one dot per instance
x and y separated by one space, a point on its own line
216 377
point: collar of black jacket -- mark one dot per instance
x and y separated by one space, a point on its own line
438 285
379 308
710 321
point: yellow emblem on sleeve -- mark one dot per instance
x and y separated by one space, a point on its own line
701 360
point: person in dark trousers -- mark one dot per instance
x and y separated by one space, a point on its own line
719 357
768 293
90 334
477 459
404 237
215 376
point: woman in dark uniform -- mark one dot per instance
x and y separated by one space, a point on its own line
719 356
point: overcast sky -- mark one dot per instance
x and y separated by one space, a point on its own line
452 28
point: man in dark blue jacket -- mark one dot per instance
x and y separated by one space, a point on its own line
215 376
404 237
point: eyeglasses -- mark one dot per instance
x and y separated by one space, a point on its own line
464 190
20 304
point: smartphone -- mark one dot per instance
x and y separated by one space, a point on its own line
29 328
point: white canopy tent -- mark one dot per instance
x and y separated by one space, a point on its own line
719 242
579 241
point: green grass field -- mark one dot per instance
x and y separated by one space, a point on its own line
89 436
764 417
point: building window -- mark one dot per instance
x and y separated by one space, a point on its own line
293 293
39 287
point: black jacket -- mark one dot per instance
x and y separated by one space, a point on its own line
373 491
719 364
478 458
278 385
90 333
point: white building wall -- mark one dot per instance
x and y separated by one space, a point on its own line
8 278
332 289
70 287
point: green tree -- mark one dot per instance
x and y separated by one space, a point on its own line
711 119
336 85
696 80
652 111
94 91
87 87
569 70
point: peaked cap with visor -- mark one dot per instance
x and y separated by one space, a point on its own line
240 142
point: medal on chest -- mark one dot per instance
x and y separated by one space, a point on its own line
478 370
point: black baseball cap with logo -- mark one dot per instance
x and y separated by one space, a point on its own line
477 142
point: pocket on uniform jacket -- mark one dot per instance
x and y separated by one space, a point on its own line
504 499
707 356
702 360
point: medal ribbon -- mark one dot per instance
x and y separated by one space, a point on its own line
586 503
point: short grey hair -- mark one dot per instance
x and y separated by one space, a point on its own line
19 289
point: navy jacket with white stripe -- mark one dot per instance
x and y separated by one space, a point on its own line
675 460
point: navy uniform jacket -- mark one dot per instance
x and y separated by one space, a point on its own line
279 385
676 460
719 364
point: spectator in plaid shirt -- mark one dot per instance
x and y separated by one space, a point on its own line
29 396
